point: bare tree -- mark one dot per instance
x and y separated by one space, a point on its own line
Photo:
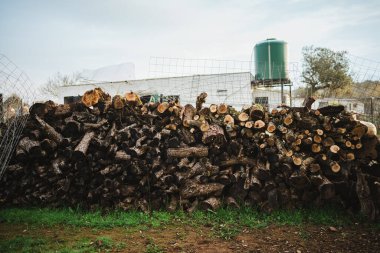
58 80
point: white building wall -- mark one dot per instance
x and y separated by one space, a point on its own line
273 96
231 88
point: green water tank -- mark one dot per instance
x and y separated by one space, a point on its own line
271 61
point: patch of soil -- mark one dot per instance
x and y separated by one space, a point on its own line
184 238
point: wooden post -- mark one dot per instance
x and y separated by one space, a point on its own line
282 93
372 109
1 108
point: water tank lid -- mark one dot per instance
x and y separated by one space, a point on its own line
270 41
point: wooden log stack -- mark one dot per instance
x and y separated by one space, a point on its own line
119 153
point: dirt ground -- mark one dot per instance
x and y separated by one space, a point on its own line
305 238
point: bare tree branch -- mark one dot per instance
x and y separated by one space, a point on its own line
58 80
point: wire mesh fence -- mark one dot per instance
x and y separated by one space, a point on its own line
225 81
234 82
16 95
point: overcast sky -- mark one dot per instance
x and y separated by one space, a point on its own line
43 37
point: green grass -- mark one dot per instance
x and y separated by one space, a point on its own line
224 223
28 244
23 244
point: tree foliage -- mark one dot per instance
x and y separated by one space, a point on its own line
326 70
366 89
51 87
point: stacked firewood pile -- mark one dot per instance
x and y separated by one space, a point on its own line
120 153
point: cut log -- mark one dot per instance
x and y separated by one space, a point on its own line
187 114
122 156
222 109
256 112
297 160
319 132
335 167
308 102
243 117
93 97
236 161
288 120
331 110
229 120
317 138
193 189
201 99
259 124
328 142
163 107
210 204
132 99
202 125
326 189
213 108
271 127
249 124
363 192
214 135
81 149
188 152
315 148
231 202
334 149
118 102
50 131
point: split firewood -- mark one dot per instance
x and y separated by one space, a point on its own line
119 153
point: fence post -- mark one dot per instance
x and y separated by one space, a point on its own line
372 110
1 108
